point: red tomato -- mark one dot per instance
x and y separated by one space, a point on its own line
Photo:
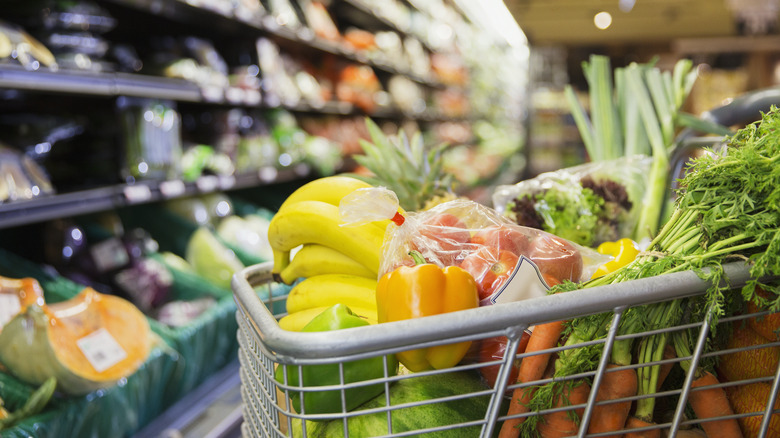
491 349
490 267
556 257
444 235
506 237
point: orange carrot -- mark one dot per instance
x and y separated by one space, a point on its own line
614 385
544 336
636 422
711 403
562 424
665 369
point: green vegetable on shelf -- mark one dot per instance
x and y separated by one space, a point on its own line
336 317
34 404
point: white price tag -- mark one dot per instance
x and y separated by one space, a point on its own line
109 254
234 94
139 193
267 174
10 305
252 97
227 182
525 282
207 183
173 188
101 350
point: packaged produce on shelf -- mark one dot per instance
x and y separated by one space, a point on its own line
102 255
21 177
449 69
87 342
346 132
360 39
407 95
357 84
319 20
251 11
181 313
152 139
18 47
390 49
193 59
451 102
278 84
16 294
255 148
587 204
418 60
285 13
248 232
74 33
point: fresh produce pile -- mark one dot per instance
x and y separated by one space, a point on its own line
455 255
85 343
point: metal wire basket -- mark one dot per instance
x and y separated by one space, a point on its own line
264 345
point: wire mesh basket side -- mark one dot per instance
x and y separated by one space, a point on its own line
267 399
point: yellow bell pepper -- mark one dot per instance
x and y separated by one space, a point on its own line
624 252
424 290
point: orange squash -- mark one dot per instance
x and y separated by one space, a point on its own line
748 364
753 398
87 342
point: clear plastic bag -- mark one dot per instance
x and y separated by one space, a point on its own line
509 262
587 204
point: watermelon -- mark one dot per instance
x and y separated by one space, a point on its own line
416 389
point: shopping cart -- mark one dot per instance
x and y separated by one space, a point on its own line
263 345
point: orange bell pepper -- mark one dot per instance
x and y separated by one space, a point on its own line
423 290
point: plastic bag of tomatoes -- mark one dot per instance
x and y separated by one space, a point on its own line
509 262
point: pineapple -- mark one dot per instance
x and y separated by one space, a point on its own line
404 166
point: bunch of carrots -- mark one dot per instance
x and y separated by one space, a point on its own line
729 209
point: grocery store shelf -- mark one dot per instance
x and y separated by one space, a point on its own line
121 195
180 11
211 410
100 84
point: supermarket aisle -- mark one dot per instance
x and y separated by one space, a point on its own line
213 410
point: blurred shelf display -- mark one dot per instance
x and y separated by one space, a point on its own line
119 115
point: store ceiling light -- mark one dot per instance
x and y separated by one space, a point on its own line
602 20
494 17
626 5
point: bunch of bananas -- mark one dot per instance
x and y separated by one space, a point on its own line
338 264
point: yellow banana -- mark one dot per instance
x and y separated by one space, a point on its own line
329 189
296 321
330 289
319 222
313 259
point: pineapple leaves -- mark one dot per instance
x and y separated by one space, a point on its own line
403 164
